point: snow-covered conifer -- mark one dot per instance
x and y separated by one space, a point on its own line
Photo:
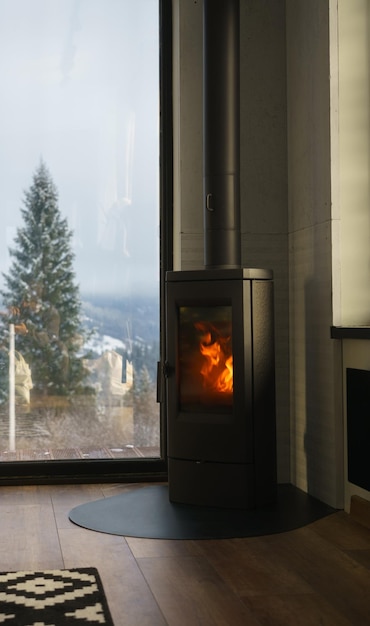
41 296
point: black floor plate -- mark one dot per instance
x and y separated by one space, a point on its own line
147 512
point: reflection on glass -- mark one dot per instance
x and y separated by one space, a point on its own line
205 357
79 260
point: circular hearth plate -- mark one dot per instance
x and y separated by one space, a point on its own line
146 512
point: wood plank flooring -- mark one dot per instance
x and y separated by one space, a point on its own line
315 575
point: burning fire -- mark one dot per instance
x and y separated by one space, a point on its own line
217 369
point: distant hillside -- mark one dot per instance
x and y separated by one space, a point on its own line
126 319
128 326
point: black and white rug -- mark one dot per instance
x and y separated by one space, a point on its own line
53 598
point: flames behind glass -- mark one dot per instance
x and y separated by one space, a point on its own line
205 357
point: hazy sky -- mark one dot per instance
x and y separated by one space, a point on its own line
80 89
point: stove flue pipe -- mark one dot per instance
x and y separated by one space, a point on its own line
221 138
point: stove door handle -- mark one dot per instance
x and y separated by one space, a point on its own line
164 371
209 202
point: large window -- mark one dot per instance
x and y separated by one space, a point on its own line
80 255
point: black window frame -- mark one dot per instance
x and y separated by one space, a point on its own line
126 470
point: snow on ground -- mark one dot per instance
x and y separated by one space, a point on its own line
101 343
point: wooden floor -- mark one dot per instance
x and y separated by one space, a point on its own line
319 574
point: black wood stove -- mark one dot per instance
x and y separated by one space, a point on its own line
219 321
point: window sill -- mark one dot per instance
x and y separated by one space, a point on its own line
350 332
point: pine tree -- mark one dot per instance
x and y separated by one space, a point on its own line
41 296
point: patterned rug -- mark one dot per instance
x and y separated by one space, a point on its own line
53 598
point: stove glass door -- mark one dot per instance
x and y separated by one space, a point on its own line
205 358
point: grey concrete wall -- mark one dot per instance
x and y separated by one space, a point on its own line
188 144
263 163
287 211
315 364
264 188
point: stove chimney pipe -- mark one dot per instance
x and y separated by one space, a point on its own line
221 134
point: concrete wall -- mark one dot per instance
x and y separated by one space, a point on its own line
264 188
188 144
315 365
287 205
263 163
